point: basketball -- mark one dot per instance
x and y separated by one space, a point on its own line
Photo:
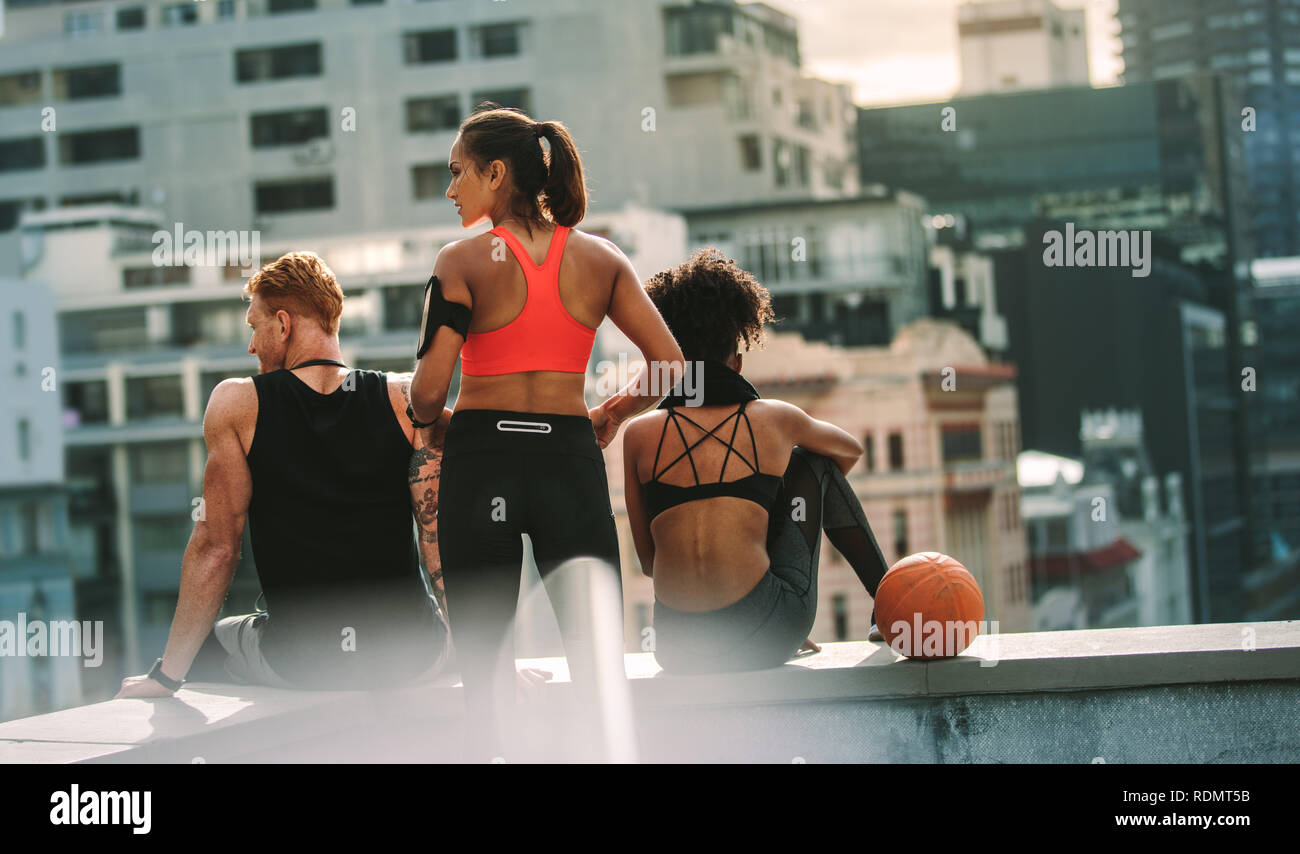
929 606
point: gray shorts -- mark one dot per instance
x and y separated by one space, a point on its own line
241 638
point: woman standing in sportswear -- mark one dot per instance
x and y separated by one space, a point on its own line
522 453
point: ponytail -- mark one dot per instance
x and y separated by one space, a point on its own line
564 195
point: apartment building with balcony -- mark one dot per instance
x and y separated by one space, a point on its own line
315 117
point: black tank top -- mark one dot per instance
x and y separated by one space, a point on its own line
332 534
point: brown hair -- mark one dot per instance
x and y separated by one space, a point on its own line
711 305
300 283
547 185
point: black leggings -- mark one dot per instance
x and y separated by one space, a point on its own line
769 624
505 474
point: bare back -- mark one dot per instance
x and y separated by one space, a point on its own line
709 552
497 291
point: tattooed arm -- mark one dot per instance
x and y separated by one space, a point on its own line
426 468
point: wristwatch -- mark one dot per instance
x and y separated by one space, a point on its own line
157 675
415 422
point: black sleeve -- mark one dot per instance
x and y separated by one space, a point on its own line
439 312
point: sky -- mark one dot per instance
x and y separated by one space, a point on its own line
899 51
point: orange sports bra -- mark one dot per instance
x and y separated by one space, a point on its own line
544 336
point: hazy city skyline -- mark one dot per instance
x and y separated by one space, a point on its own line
901 51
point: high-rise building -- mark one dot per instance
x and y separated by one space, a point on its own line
1274 384
1255 44
1008 45
319 117
1091 338
38 572
1165 156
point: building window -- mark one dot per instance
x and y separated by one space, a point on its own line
180 15
312 194
276 7
155 277
154 397
801 161
429 46
162 535
130 18
1058 534
869 452
20 330
895 451
24 439
519 99
99 146
900 534
289 128
782 158
90 81
962 442
429 181
82 23
24 153
278 63
695 29
225 9
751 152
840 608
23 87
429 115
498 40
87 402
160 462
31 528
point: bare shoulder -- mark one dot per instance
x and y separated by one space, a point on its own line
399 396
600 249
777 412
231 406
640 428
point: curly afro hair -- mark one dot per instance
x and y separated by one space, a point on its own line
711 305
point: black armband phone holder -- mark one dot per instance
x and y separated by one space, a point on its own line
439 312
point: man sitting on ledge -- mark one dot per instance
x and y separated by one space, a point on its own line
326 467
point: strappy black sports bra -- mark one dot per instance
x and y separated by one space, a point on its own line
760 488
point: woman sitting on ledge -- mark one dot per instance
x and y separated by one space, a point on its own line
734 490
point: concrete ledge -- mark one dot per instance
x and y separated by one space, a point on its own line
245 723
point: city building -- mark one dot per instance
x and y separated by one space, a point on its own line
1108 548
1090 338
845 271
1149 513
38 573
328 117
1275 388
1008 45
1165 156
939 426
1256 45
1079 564
962 286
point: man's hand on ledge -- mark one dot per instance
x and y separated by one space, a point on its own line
141 686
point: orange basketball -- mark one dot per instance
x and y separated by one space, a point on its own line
929 606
